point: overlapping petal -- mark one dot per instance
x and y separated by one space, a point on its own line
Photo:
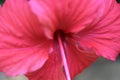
23 46
52 70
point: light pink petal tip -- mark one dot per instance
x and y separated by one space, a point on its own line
23 47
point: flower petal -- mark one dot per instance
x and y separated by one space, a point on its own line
18 61
103 35
78 58
84 13
69 15
23 45
52 70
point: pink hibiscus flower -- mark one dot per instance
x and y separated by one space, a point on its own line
57 39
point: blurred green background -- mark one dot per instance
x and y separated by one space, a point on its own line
2 1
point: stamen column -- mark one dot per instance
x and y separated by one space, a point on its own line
64 58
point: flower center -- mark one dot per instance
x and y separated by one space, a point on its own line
59 36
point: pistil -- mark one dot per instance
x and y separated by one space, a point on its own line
63 57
